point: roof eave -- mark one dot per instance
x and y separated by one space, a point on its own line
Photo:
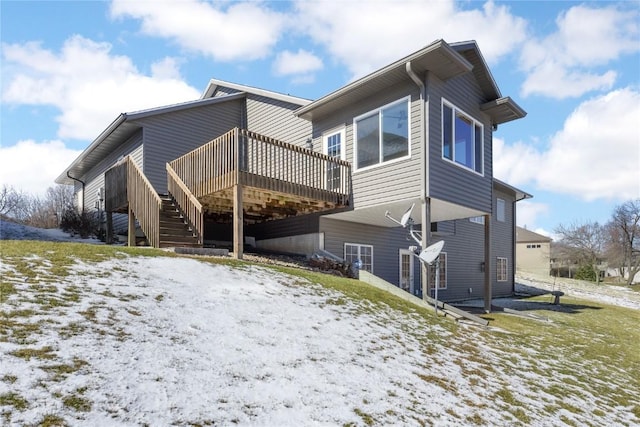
131 117
503 110
63 178
519 194
456 65
214 84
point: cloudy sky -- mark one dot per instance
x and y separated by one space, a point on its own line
69 68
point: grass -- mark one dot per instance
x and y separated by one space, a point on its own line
585 349
15 400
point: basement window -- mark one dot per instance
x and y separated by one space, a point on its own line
359 253
501 269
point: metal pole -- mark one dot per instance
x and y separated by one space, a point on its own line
437 284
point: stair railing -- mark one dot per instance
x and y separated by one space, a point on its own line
188 205
144 202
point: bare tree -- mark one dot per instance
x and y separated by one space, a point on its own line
36 211
59 198
10 200
587 242
624 239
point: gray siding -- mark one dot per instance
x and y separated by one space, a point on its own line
503 243
169 136
383 183
222 91
275 119
464 246
446 180
386 244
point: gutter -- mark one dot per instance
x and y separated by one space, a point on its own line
83 185
425 214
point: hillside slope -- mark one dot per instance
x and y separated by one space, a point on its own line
155 340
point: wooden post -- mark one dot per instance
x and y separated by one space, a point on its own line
238 219
131 229
487 264
109 236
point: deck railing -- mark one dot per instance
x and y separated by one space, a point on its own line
144 202
246 158
126 180
189 206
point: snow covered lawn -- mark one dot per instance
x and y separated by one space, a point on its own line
137 340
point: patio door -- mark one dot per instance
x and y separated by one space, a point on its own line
406 271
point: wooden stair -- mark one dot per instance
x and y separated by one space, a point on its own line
174 230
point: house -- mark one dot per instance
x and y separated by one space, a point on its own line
533 252
245 164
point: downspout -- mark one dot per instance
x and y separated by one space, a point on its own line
424 180
83 185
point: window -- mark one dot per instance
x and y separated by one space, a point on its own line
477 219
354 252
333 146
462 138
501 270
382 135
443 273
500 209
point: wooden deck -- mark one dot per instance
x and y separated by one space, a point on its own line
245 158
240 177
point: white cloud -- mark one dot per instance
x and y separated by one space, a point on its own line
515 163
87 84
528 212
560 65
296 63
238 32
33 166
595 156
365 35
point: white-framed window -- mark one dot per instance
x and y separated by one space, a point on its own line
363 254
382 135
462 138
477 219
443 273
333 146
501 269
500 210
406 270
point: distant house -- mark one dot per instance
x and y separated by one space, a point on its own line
249 165
533 252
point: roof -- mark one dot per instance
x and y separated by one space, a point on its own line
527 236
122 128
519 194
440 58
214 84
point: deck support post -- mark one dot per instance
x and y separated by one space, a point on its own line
238 220
487 264
131 228
109 232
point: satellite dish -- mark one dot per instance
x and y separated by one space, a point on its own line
429 254
406 216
